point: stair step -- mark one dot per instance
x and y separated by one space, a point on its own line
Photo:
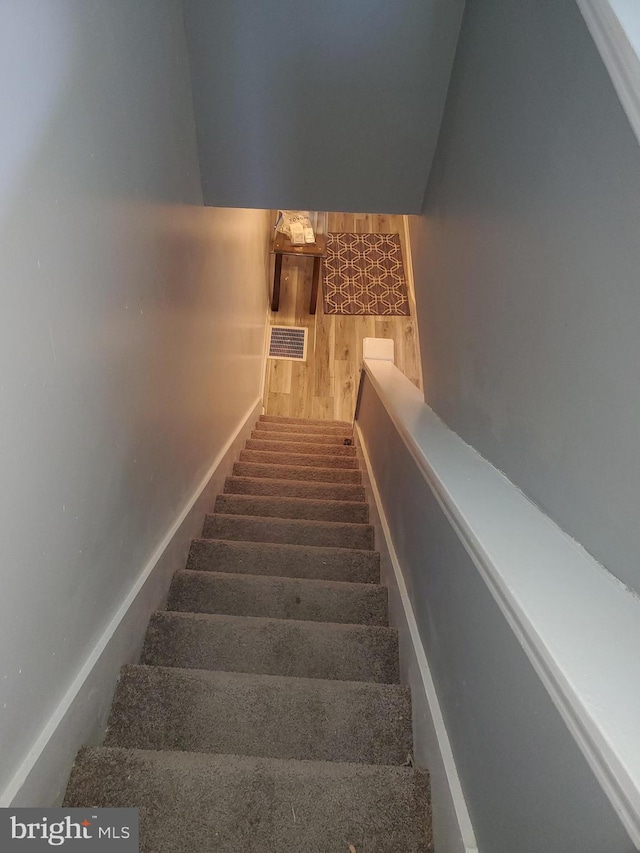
197 803
269 506
293 489
272 646
293 472
305 437
266 712
304 448
249 528
261 715
296 561
298 459
309 429
278 419
278 597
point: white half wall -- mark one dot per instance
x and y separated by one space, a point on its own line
451 824
527 646
131 344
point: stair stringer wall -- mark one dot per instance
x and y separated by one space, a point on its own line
452 829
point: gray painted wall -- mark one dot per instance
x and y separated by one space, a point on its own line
131 330
527 259
327 106
527 785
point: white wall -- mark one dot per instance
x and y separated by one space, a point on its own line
526 271
131 328
325 105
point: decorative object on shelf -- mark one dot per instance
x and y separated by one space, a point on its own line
296 225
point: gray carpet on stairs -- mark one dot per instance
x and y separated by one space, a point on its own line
307 424
288 428
290 471
305 448
278 597
343 431
272 646
262 715
298 561
311 460
266 714
248 528
293 489
199 803
353 512
313 439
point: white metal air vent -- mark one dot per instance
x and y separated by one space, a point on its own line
288 342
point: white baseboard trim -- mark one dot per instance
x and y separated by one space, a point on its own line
81 715
452 829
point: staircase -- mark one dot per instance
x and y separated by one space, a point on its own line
266 714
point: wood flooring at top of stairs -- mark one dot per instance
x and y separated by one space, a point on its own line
325 385
266 713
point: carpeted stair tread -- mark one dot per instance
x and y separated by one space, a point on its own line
198 803
296 561
304 437
304 422
303 508
278 597
295 531
261 715
266 713
294 472
294 489
300 447
272 646
344 432
315 460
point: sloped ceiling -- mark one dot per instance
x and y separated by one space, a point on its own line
331 105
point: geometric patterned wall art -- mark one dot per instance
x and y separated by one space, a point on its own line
364 274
